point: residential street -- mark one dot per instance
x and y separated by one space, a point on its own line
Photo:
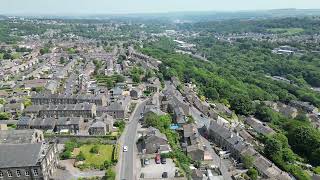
127 162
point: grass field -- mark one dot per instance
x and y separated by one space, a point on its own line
286 31
105 153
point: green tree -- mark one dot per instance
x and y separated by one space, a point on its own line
252 173
211 93
5 116
242 104
265 114
2 101
62 60
273 147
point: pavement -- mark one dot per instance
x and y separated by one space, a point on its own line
154 170
127 161
72 173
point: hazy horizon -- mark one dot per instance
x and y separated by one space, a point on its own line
94 7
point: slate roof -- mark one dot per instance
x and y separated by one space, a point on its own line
69 121
44 122
115 106
19 155
98 124
258 126
153 132
16 136
24 120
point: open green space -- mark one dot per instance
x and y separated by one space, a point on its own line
97 159
286 31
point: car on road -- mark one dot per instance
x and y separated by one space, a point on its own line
125 148
201 115
164 175
163 160
157 159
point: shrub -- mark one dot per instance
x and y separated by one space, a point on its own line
252 173
66 155
80 156
94 149
110 174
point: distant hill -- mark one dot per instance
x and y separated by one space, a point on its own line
2 17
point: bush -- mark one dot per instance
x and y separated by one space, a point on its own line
107 164
252 173
110 174
94 149
66 155
80 156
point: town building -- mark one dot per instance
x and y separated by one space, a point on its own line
39 99
28 161
84 110
153 140
21 136
70 125
259 127
305 106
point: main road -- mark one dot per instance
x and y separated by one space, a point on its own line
127 160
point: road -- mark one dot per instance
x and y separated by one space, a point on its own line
127 160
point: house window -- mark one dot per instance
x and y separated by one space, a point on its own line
18 173
35 172
9 173
27 173
1 174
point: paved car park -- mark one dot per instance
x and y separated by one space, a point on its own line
154 170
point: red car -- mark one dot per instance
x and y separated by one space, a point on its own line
157 159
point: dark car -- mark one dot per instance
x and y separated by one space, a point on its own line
163 160
164 175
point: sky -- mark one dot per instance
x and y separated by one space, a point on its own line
81 7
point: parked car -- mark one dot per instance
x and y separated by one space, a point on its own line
163 160
147 161
164 175
157 159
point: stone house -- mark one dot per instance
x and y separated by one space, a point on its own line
196 152
84 110
136 93
21 136
72 124
239 148
192 142
116 110
40 99
259 127
153 139
43 123
28 161
98 128
102 125
14 108
305 106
